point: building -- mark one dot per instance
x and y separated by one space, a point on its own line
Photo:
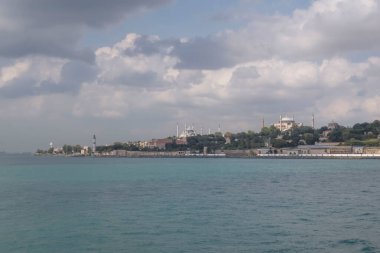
324 149
158 143
161 143
371 150
358 149
118 153
286 123
85 150
188 132
143 144
332 125
58 150
181 141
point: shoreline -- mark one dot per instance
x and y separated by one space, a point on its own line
219 156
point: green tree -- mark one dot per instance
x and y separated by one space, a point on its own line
271 132
279 143
67 149
336 135
77 148
50 150
309 138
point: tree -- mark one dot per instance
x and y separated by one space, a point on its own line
336 135
50 150
40 151
271 132
118 146
279 143
322 129
67 149
310 139
77 148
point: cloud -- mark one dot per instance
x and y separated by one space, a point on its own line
128 78
38 76
327 28
137 61
101 101
204 53
55 27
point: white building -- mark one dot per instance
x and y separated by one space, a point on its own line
286 123
84 150
188 132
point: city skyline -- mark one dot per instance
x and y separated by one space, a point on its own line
190 130
133 69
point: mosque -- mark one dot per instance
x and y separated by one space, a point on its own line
188 132
286 123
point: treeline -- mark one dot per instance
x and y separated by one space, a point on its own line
361 134
270 136
213 142
66 149
118 146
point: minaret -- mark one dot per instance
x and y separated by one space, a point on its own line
219 129
177 131
280 123
201 130
209 131
263 123
94 144
313 122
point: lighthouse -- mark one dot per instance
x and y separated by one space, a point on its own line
94 144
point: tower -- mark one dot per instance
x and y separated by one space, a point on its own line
94 144
263 123
313 122
177 131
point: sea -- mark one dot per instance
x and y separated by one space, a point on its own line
63 204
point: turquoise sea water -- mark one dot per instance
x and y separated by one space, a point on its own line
53 204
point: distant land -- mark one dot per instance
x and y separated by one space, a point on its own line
285 138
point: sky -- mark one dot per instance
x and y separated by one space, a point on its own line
133 69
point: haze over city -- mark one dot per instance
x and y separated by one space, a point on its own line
132 70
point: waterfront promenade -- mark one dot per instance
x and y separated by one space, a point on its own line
327 156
